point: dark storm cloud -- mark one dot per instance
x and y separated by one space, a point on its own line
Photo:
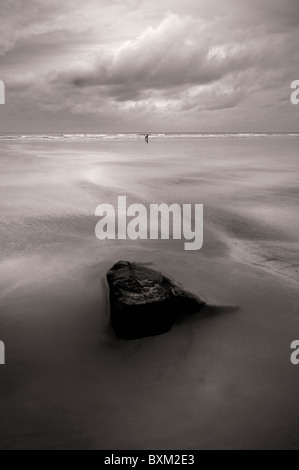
179 52
135 61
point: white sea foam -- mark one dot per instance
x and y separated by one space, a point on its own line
137 136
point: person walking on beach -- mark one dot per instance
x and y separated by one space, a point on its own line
146 138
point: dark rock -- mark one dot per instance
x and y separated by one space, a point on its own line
143 302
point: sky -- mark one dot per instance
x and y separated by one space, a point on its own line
149 66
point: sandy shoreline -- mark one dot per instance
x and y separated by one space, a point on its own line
219 382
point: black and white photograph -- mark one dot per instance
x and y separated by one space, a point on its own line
149 227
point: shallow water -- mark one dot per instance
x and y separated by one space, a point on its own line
219 382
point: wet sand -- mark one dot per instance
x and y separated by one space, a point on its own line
212 382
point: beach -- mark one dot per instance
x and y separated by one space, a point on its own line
224 381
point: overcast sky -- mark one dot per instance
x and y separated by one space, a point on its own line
159 65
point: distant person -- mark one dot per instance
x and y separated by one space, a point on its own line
146 138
